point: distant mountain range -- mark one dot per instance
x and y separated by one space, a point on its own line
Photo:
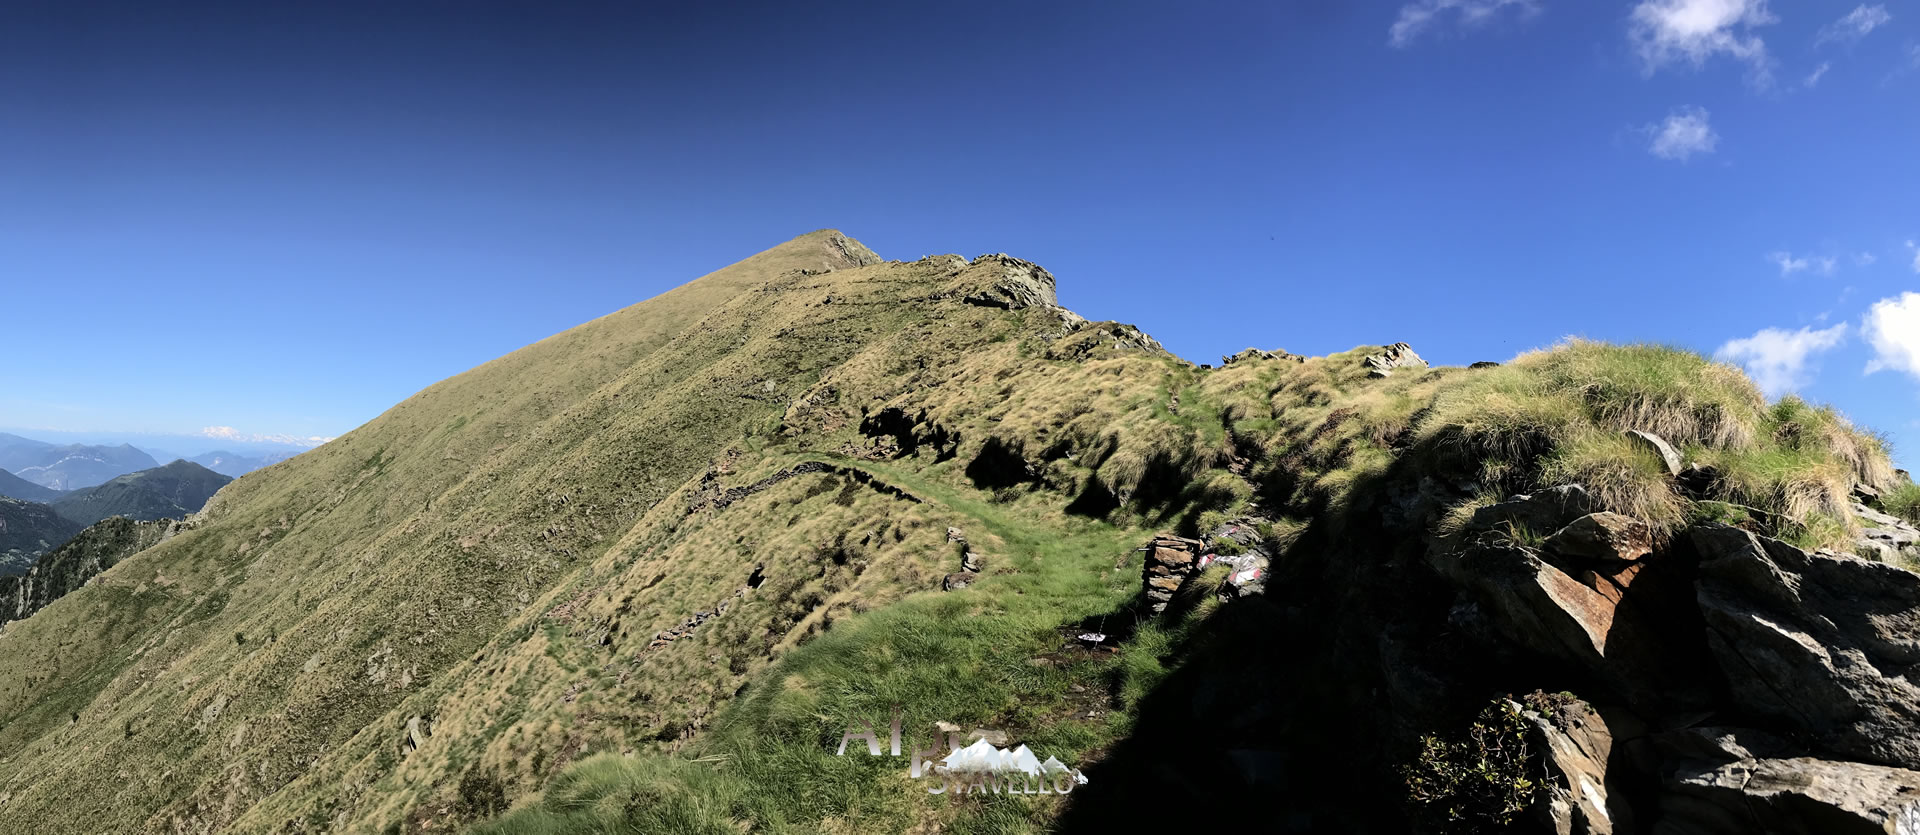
236 465
27 530
169 492
70 466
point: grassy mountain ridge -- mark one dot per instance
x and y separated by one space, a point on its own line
174 491
709 529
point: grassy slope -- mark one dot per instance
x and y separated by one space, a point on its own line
495 555
323 589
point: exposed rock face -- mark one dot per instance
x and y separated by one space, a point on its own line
1824 644
1170 559
1800 796
1012 284
1397 355
1886 538
958 581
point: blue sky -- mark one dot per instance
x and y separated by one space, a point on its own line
285 221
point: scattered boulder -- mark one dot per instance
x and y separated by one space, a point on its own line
956 582
1170 560
970 562
1668 455
1796 796
955 535
1602 537
1397 355
1485 364
1821 643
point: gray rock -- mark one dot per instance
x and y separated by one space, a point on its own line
956 582
1011 283
1576 747
1823 644
970 562
1884 537
1603 537
1397 355
1257 354
1668 455
1485 364
1798 796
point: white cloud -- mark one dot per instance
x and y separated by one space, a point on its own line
228 433
1692 31
1417 17
1892 327
1777 359
1824 265
1685 132
1854 26
1813 79
1864 259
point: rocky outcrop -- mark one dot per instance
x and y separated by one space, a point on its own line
1825 645
1252 354
1397 355
1886 538
1011 283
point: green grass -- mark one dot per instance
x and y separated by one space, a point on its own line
1904 502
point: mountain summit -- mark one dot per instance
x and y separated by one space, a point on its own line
641 575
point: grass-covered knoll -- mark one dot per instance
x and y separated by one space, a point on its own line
451 613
